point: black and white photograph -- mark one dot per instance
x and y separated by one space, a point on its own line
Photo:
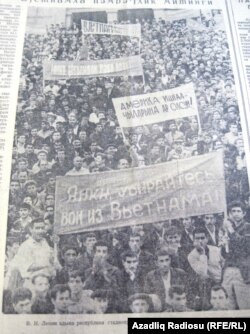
129 188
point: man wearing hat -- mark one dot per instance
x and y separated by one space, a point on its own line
140 303
179 151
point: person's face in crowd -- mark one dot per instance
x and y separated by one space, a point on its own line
48 226
61 302
82 135
43 166
134 138
139 306
74 111
72 120
24 213
23 306
135 243
232 116
29 149
26 125
239 143
52 182
102 122
65 103
56 137
50 200
123 164
160 142
52 103
216 116
61 155
209 221
172 127
237 214
101 116
79 100
174 55
44 126
85 106
111 150
14 186
219 96
200 241
179 301
141 161
219 106
78 163
173 239
156 129
99 128
42 156
101 252
233 129
12 249
70 257
228 88
50 210
130 264
77 144
22 177
182 74
155 151
21 140
89 244
84 122
99 91
32 190
219 300
85 90
194 124
99 161
194 140
75 285
37 231
41 285
118 131
43 116
178 146
187 223
100 305
139 130
164 263
223 124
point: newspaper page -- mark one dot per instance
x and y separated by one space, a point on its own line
240 23
124 147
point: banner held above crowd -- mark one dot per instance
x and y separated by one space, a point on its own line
154 193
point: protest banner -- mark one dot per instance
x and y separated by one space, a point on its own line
99 28
180 188
126 66
185 14
156 107
195 25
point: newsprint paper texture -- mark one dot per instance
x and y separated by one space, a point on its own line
124 177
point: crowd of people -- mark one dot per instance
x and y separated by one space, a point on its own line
69 127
